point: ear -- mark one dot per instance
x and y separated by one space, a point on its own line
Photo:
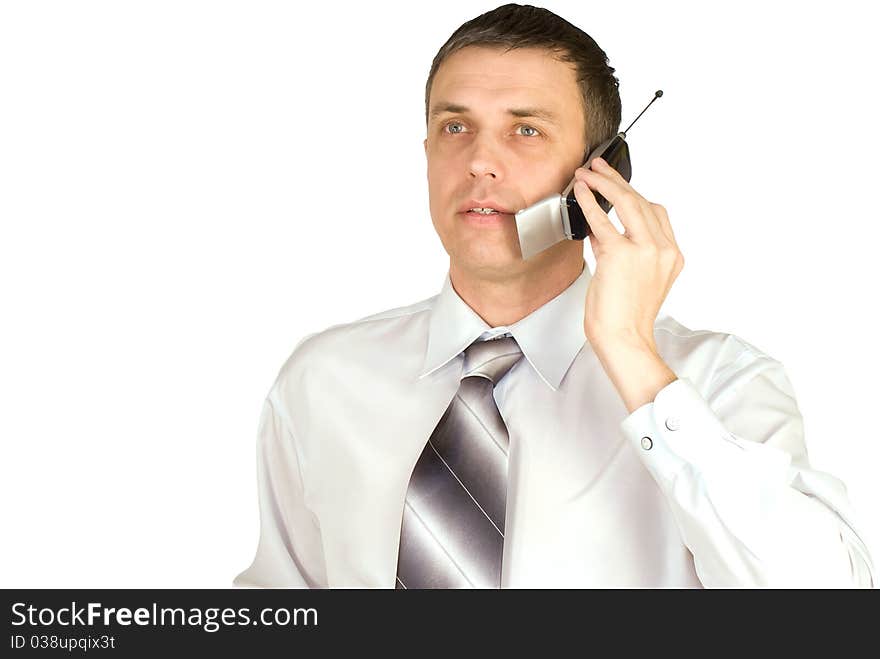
426 146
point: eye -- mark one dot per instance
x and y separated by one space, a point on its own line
535 133
453 124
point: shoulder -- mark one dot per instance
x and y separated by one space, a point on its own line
711 356
677 332
365 343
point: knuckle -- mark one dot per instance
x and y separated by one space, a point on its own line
649 251
630 203
670 253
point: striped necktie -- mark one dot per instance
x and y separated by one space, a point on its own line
452 533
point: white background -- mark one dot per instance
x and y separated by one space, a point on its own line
187 189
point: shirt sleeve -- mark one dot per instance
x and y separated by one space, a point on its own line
289 553
733 467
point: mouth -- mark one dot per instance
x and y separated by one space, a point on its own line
484 217
485 212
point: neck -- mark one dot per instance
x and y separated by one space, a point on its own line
505 299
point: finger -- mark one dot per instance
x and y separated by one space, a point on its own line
594 244
600 225
652 221
623 197
655 215
663 219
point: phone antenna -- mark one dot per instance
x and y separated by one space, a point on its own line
657 94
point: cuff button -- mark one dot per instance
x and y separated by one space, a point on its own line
647 443
673 423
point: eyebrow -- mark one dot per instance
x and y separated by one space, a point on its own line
529 112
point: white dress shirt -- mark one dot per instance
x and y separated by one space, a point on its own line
708 485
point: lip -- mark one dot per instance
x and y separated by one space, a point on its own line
481 219
486 203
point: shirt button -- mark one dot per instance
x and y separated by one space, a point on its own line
647 443
672 423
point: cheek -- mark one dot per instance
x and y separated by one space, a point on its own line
546 180
438 200
440 183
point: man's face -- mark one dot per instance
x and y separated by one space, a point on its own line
506 129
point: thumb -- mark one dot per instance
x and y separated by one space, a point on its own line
594 243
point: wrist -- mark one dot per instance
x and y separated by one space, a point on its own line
634 367
629 340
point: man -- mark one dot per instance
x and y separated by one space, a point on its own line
535 424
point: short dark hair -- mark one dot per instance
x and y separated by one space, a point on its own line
524 26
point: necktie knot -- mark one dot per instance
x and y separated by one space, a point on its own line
491 359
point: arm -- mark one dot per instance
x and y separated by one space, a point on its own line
289 553
749 513
730 460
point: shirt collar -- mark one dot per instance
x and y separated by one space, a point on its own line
550 337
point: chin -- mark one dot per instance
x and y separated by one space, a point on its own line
486 261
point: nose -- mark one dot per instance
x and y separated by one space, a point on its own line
485 159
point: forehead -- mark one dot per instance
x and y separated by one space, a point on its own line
487 78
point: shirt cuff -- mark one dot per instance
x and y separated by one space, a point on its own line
678 430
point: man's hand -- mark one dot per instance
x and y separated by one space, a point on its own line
634 273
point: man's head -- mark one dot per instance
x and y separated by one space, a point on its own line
482 146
